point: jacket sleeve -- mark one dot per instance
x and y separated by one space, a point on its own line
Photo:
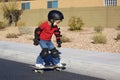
37 32
57 33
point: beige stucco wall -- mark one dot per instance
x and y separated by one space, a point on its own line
118 2
91 16
80 3
38 4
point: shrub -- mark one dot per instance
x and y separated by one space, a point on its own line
75 23
65 39
1 25
118 36
12 35
98 29
21 23
99 38
118 27
11 12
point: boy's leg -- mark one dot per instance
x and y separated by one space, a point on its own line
43 54
48 60
54 53
55 56
39 60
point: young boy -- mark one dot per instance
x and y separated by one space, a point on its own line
43 34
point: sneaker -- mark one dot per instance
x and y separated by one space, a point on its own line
39 65
59 65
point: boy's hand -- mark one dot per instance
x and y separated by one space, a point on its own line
59 43
36 42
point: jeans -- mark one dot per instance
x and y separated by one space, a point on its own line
49 59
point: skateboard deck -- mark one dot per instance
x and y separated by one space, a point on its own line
49 67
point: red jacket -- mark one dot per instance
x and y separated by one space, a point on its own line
47 32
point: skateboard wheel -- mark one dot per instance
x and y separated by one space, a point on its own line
35 71
40 71
58 69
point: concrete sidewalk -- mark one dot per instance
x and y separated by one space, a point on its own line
96 64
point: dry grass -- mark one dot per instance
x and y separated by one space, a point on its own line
12 35
78 39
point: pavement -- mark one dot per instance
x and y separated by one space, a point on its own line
11 70
96 64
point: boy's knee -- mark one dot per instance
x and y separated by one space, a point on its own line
54 53
44 53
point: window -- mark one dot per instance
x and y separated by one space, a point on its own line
52 4
25 6
110 2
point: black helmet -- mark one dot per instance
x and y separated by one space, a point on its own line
55 15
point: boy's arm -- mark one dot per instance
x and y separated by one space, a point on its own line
58 36
37 33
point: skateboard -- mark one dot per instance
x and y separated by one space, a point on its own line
48 68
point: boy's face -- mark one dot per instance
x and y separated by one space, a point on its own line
56 22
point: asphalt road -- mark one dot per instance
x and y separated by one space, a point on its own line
10 70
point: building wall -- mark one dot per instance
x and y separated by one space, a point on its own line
91 16
118 2
37 4
42 4
80 3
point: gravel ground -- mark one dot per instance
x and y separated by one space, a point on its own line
79 39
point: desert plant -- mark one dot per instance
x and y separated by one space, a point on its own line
98 29
25 30
99 38
118 27
21 24
11 12
11 35
65 39
1 25
118 36
75 23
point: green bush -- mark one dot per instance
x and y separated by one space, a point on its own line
12 35
75 23
118 36
98 29
65 39
99 38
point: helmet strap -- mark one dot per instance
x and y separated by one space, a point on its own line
52 23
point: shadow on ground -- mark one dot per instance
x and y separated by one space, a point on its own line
10 70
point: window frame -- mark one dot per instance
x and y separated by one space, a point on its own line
25 6
52 3
110 2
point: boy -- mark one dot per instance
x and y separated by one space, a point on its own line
43 35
